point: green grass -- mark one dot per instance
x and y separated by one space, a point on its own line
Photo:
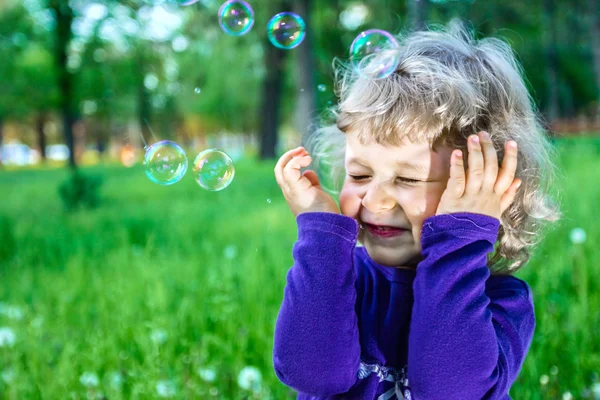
203 274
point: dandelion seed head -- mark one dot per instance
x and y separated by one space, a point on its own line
89 379
207 374
7 337
165 389
577 236
250 378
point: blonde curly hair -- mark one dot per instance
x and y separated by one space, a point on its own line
446 87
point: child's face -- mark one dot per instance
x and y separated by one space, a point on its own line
381 196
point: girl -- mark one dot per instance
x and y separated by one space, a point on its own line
433 181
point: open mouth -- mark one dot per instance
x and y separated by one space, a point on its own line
384 231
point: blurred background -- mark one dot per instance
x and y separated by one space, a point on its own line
115 287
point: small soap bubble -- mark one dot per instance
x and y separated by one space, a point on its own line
213 170
269 201
322 88
236 17
286 30
197 90
374 53
165 162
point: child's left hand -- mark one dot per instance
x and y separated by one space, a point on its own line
482 191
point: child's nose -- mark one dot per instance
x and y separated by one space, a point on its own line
378 198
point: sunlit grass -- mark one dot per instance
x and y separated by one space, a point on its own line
174 291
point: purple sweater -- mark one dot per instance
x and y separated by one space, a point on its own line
349 328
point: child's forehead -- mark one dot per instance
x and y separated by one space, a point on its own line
357 141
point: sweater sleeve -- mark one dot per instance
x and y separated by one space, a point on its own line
462 343
316 344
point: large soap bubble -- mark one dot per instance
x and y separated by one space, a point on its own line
213 170
165 162
236 17
286 30
374 53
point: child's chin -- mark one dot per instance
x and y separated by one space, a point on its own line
392 256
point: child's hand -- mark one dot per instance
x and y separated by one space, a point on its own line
482 191
302 192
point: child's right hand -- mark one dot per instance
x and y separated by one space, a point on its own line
302 192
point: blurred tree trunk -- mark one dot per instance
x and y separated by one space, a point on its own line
307 98
102 127
40 123
552 110
143 109
594 10
64 19
417 13
274 60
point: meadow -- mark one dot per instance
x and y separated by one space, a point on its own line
174 291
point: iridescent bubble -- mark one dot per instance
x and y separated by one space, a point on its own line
374 53
165 162
322 88
213 170
236 17
286 30
197 90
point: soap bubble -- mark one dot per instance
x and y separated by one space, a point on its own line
236 17
213 170
374 53
286 30
322 88
165 162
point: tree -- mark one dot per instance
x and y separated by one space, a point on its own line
64 18
306 105
594 13
274 62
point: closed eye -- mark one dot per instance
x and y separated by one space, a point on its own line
363 177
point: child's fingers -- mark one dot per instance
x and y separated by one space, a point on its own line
291 172
283 161
509 195
508 170
456 183
312 177
476 165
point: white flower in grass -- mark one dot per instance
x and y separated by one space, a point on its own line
207 374
165 389
116 380
159 336
249 378
11 312
230 252
577 236
596 390
89 379
7 337
8 375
